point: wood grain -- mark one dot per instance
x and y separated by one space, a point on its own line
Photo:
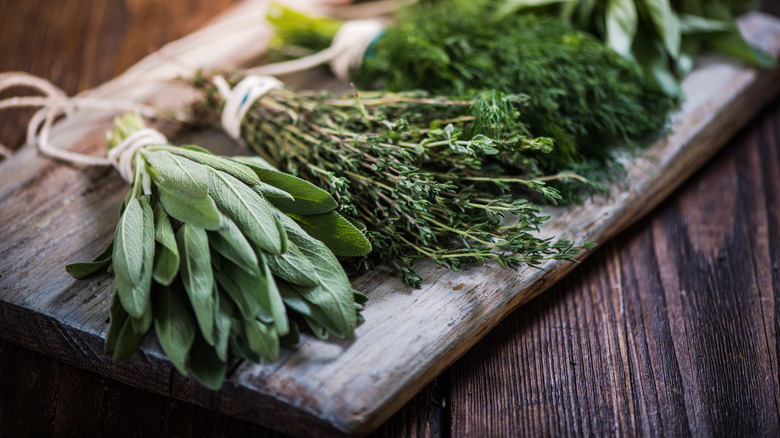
43 211
671 329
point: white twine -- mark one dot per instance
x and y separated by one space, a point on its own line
345 53
121 156
56 103
239 99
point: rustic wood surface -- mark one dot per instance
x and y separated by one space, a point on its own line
669 328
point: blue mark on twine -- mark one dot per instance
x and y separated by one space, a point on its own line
369 53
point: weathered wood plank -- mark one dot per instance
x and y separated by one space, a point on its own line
671 329
454 310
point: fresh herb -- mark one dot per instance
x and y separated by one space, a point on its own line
213 253
427 177
663 36
583 95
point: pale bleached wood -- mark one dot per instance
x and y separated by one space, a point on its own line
51 214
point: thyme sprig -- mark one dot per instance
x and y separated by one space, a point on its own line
427 177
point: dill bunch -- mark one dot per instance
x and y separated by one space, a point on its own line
585 96
424 177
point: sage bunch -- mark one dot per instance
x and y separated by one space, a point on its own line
217 256
456 182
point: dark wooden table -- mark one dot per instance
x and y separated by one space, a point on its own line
671 328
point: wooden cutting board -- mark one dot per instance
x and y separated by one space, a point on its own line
52 214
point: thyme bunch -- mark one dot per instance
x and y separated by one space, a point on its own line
425 177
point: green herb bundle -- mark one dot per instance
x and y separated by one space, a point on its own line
663 36
582 94
427 177
217 255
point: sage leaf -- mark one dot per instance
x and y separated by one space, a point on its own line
250 211
337 233
132 260
222 323
650 54
239 346
240 287
198 211
121 339
621 24
262 339
180 173
293 266
83 269
295 301
333 293
732 43
307 198
229 242
197 276
293 336
271 300
205 364
694 24
166 255
238 170
666 24
272 192
174 325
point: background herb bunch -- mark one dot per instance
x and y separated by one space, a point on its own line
582 94
213 252
427 177
664 36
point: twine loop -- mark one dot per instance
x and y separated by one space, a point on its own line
121 156
240 98
345 53
56 103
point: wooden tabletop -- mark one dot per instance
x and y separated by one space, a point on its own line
670 328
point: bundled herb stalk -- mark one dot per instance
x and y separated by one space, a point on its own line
217 255
582 94
427 177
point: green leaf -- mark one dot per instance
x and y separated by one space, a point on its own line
250 211
271 300
293 266
174 325
197 276
337 233
198 211
84 269
295 301
178 172
240 286
239 346
732 42
222 323
223 164
308 198
333 293
205 365
666 24
651 56
692 24
121 340
229 242
621 23
272 192
132 260
508 7
262 339
166 255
